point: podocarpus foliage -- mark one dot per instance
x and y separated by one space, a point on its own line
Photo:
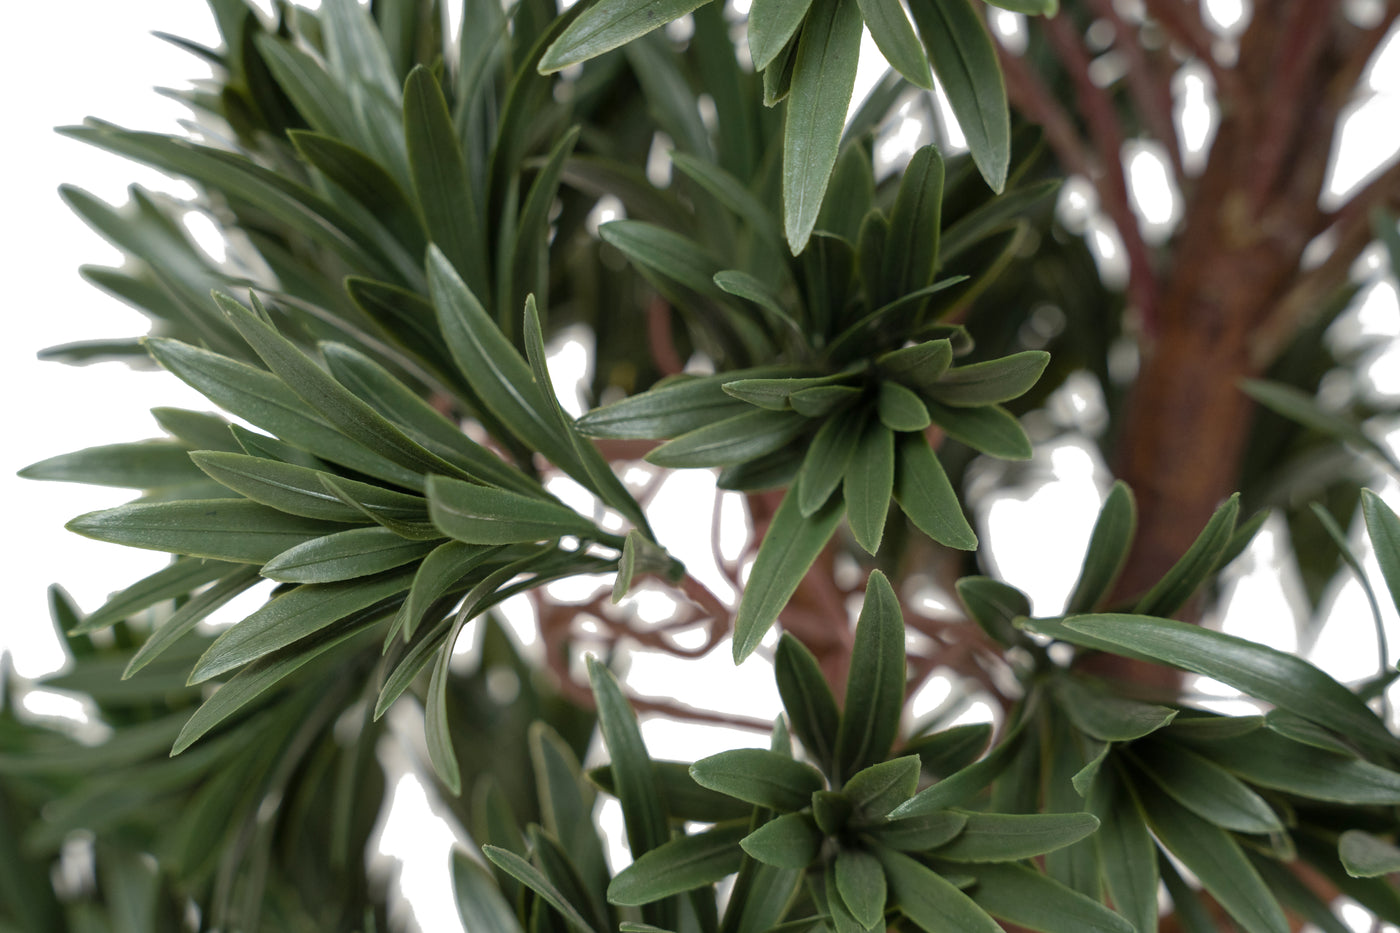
412 217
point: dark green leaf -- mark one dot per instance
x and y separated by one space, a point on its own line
1126 851
1302 407
860 883
223 529
530 876
178 579
1006 837
911 251
440 180
530 252
950 750
1188 573
481 515
875 685
146 465
1108 717
771 24
1384 529
822 81
918 366
298 490
666 253
675 407
735 440
682 864
684 799
965 783
1108 550
992 382
878 789
1216 859
197 430
365 180
900 409
869 484
480 905
929 900
920 833
965 61
926 497
344 555
1269 760
1261 672
791 544
760 777
1295 727
995 216
789 841
1207 790
990 429
1028 899
825 464
291 617
609 24
642 807
889 27
821 401
776 394
1367 856
992 604
810 706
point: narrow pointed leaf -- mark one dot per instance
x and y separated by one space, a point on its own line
1269 760
1207 790
900 409
1107 717
993 605
480 904
676 407
930 901
344 555
878 789
822 81
1303 408
825 464
926 497
1027 898
990 429
1006 837
790 546
178 579
609 24
807 698
965 61
992 382
1188 573
1367 856
531 877
875 686
298 490
1127 851
911 251
772 23
869 484
684 799
918 366
890 28
791 840
735 440
760 777
684 863
222 529
920 833
1108 550
183 620
642 807
1384 529
146 465
860 882
481 515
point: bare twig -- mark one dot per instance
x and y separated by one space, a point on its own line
1149 87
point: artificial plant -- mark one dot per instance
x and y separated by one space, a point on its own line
413 216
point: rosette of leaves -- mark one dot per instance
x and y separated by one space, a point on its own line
845 837
1237 800
807 52
864 365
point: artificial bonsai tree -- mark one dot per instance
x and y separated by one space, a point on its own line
414 215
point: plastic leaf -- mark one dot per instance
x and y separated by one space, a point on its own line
682 864
760 777
1108 550
609 24
791 840
1367 856
875 685
481 515
869 484
926 497
1192 569
807 699
1028 899
930 901
1006 837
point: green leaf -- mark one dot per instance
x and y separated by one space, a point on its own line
997 215
791 544
684 863
1384 529
440 179
825 464
734 440
822 81
1106 716
1367 856
965 61
878 789
1006 837
950 750
1269 760
197 430
344 555
776 394
610 24
262 399
820 401
298 490
293 616
222 529
1302 407
1206 789
1028 899
860 883
363 179
1295 727
532 878
807 698
918 366
1216 859
929 900
875 685
920 833
481 515
480 905
144 465
666 253
991 382
1192 569
642 807
742 285
889 27
911 250
529 272
1259 671
791 840
684 799
926 497
869 484
900 409
772 23
566 803
673 408
1127 851
732 193
183 620
760 777
965 783
177 579
993 604
990 429
1108 550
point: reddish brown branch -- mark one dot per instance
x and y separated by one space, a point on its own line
1030 96
659 338
1149 87
1107 135
1182 23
